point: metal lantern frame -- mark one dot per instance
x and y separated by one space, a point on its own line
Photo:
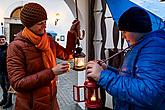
91 94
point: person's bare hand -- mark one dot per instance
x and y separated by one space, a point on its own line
61 68
102 63
93 70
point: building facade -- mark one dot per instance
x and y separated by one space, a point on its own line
102 38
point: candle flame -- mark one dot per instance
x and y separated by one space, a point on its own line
93 98
80 63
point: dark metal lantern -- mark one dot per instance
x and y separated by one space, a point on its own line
79 59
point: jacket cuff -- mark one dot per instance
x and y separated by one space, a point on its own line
52 75
112 69
105 76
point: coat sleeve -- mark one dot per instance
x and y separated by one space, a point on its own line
147 86
66 53
16 67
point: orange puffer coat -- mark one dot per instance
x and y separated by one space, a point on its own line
35 86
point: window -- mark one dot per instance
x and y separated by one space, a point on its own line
62 38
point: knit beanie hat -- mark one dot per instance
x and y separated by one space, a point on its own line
2 36
135 19
32 13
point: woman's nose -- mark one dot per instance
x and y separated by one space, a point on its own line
44 25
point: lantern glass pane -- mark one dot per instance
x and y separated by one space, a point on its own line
79 63
99 96
91 94
75 93
86 93
82 94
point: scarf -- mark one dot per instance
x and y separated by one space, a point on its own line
42 43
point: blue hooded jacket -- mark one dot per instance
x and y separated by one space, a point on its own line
140 84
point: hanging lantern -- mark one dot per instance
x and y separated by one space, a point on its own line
91 94
79 56
79 59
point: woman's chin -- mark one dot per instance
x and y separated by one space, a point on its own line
41 33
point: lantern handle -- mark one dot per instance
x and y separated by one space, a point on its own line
77 18
91 79
83 34
129 47
76 9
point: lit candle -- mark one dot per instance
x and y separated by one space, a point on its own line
80 63
93 98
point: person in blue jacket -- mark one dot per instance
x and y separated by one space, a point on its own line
140 82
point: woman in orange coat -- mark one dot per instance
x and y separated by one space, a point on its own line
31 61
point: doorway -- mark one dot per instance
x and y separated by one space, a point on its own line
14 29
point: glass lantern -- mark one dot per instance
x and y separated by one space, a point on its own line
79 59
91 94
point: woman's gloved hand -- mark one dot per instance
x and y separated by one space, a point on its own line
75 28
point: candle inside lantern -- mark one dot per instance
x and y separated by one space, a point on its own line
80 61
93 98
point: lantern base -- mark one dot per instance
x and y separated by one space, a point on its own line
95 105
79 68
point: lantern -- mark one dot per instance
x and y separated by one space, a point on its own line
79 59
91 94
